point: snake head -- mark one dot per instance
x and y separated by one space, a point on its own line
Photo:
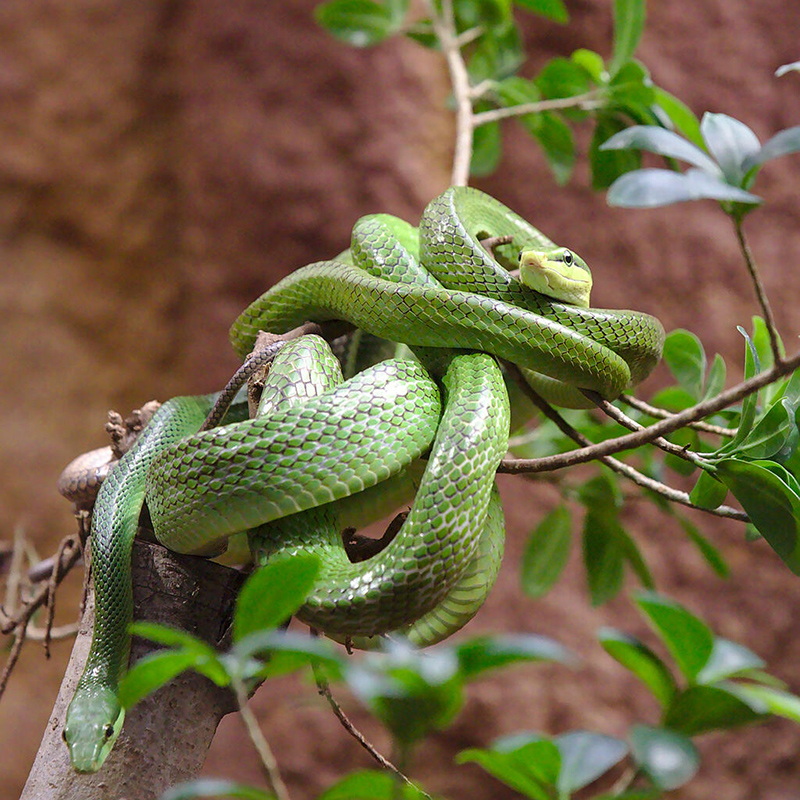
94 720
558 273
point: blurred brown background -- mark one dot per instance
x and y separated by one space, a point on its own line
164 161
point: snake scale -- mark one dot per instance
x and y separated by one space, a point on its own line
323 452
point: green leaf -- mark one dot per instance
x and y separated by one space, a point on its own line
728 659
608 165
708 492
151 673
680 115
664 143
477 655
687 637
273 593
547 552
585 757
287 651
592 63
360 23
632 87
637 657
706 708
768 700
686 360
487 149
550 9
602 557
527 763
710 553
168 636
370 784
731 143
770 503
214 787
773 434
497 54
781 144
649 188
716 377
668 758
628 26
555 138
561 77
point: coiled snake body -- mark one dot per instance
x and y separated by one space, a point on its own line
293 474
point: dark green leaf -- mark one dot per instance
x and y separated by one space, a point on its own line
529 764
731 143
213 787
772 434
649 188
708 492
550 9
370 784
608 165
631 86
585 757
681 116
706 708
273 593
483 653
603 557
687 637
561 77
668 758
769 502
555 138
547 552
487 149
707 550
664 143
628 26
360 23
641 661
686 360
601 495
728 659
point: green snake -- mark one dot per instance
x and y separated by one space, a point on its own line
319 448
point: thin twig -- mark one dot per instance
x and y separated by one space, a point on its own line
620 467
260 743
444 27
647 434
586 102
662 413
324 689
13 656
761 294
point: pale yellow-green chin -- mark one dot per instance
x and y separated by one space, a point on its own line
569 283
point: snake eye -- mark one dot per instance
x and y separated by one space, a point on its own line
108 731
568 258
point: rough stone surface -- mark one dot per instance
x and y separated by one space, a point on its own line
162 162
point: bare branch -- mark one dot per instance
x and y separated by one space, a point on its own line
586 102
662 413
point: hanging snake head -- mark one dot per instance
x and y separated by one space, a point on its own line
94 720
559 273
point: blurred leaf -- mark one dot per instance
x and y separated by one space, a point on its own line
487 149
706 708
731 143
686 360
708 492
680 115
592 63
710 553
786 68
547 552
585 757
628 26
601 494
555 138
288 650
213 787
497 54
360 23
631 86
477 655
527 763
769 502
637 657
728 659
608 165
371 784
781 144
561 77
687 637
768 700
664 143
602 557
273 593
169 636
649 188
668 758
551 9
